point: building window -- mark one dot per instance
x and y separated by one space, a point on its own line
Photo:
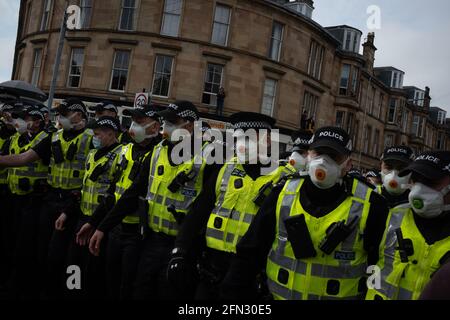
213 82
376 141
86 12
162 75
36 67
422 126
27 18
405 121
392 110
46 14
372 102
345 74
221 25
270 89
349 126
440 141
276 41
76 68
389 141
352 41
128 15
397 79
367 139
340 115
380 106
415 126
355 80
315 60
441 117
171 17
120 70
310 103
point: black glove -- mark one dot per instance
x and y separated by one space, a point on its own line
179 270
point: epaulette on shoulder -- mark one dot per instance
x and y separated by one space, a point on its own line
284 179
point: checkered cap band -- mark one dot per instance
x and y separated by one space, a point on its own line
252 125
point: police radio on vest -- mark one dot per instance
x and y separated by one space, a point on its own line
331 135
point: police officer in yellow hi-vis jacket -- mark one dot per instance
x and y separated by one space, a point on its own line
314 234
417 240
109 109
168 185
228 206
125 242
102 171
27 185
395 189
65 151
7 130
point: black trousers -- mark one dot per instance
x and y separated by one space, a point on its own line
122 258
7 235
214 265
151 279
93 278
24 277
53 244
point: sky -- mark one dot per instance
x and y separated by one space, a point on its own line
412 36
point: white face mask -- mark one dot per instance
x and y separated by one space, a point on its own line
66 122
169 128
324 171
20 125
427 202
394 184
137 132
298 161
247 152
96 142
250 151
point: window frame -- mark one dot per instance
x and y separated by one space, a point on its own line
155 74
273 39
273 98
70 75
46 5
113 68
163 19
230 11
36 66
135 16
341 78
206 77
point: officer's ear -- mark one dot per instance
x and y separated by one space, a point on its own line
348 165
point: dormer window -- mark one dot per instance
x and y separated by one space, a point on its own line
397 79
352 40
301 7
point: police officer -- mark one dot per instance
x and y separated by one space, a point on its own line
66 151
299 156
315 234
27 184
373 176
109 109
417 240
124 242
170 181
102 171
7 130
227 207
395 189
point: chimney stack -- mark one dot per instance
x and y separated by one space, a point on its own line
369 51
427 101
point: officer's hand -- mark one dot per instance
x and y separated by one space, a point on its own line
84 234
94 243
59 223
178 270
